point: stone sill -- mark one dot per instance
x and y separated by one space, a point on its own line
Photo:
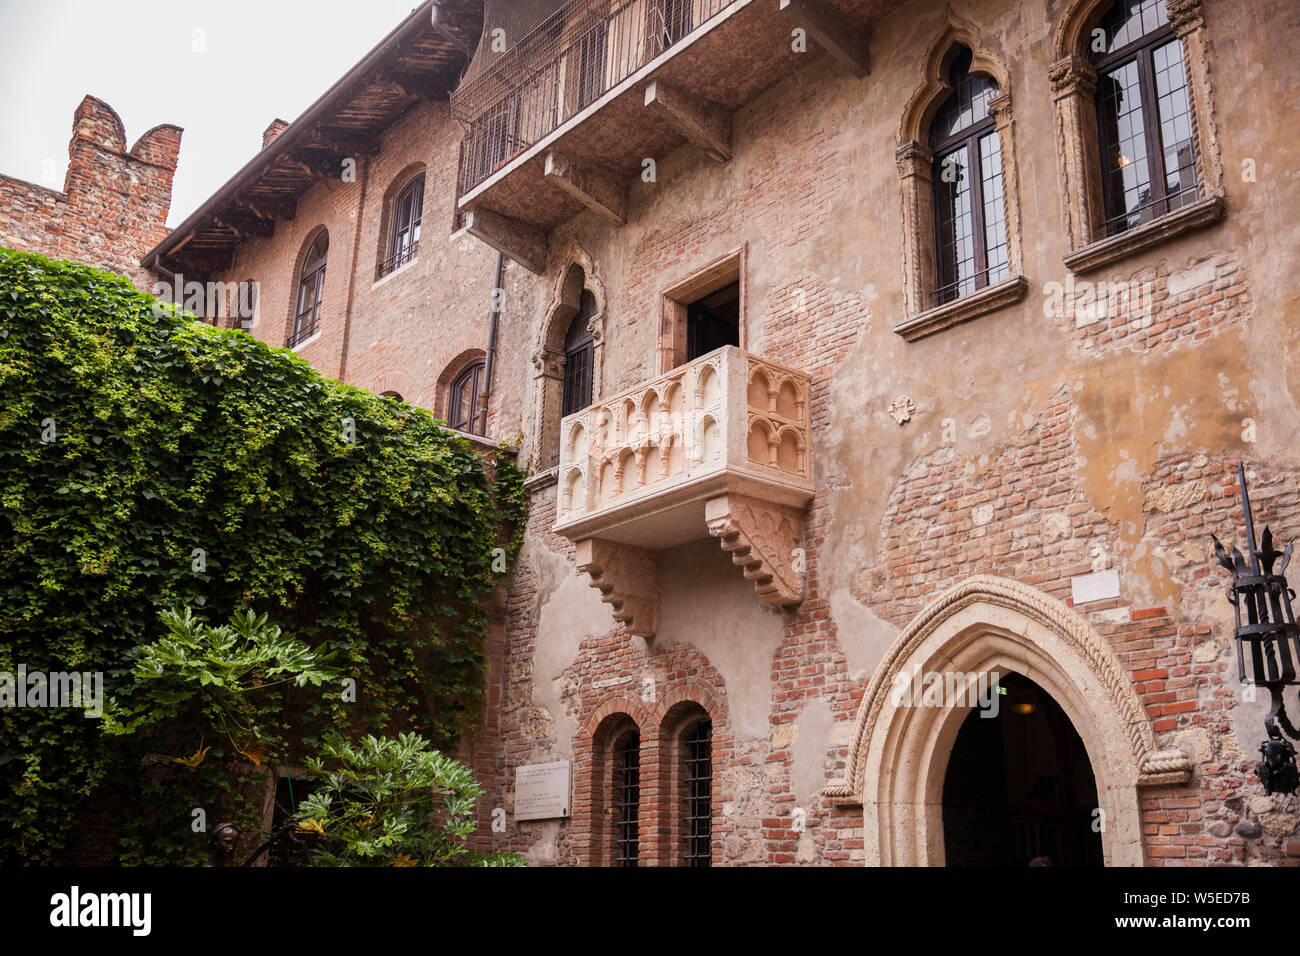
305 342
968 307
396 272
478 441
1093 256
543 478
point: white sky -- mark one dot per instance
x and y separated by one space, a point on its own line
262 59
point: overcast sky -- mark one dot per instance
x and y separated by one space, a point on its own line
221 70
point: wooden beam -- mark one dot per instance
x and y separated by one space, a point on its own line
342 141
594 188
432 87
268 209
521 242
245 225
704 124
844 39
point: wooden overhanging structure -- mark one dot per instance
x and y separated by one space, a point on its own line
420 60
566 119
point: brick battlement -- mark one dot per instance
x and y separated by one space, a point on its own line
114 203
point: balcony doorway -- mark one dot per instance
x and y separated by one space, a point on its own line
713 321
1019 789
703 311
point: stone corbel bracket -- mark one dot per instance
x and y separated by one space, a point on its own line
763 538
627 578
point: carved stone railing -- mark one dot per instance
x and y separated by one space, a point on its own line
719 446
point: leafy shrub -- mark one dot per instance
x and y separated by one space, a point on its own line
148 461
391 802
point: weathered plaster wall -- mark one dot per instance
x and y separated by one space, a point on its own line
1039 447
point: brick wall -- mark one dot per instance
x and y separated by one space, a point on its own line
114 202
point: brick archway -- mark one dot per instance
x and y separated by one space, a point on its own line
899 755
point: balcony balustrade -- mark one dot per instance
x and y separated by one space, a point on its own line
719 446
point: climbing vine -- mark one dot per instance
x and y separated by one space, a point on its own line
149 462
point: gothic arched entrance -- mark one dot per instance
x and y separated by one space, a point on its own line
981 627
1019 786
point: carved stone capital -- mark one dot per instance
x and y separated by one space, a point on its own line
764 539
1000 109
1072 75
1185 15
548 362
627 578
914 159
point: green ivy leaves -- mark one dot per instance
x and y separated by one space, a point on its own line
192 467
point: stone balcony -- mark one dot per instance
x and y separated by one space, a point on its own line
719 446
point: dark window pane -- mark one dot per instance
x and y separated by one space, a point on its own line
955 226
1124 148
311 282
697 778
1175 124
627 799
966 106
995 220
1131 20
579 357
463 399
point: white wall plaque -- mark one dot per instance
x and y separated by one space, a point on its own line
1098 586
542 791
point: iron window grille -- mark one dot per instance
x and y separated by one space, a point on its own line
1144 115
627 800
697 782
463 399
579 358
311 286
970 213
407 211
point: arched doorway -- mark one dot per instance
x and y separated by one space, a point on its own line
1019 787
985 626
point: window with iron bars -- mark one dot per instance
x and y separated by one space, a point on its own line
627 800
697 795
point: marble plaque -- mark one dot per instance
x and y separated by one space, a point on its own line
542 791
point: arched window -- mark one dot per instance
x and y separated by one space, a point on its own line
395 396
463 399
970 221
406 212
697 793
244 313
1144 116
625 799
311 284
579 357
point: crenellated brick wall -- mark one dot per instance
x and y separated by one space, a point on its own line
114 203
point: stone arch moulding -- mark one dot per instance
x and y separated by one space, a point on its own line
922 315
1074 89
899 754
548 349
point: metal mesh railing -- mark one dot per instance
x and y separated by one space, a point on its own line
517 92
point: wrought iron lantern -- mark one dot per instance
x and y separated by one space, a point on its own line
1268 641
